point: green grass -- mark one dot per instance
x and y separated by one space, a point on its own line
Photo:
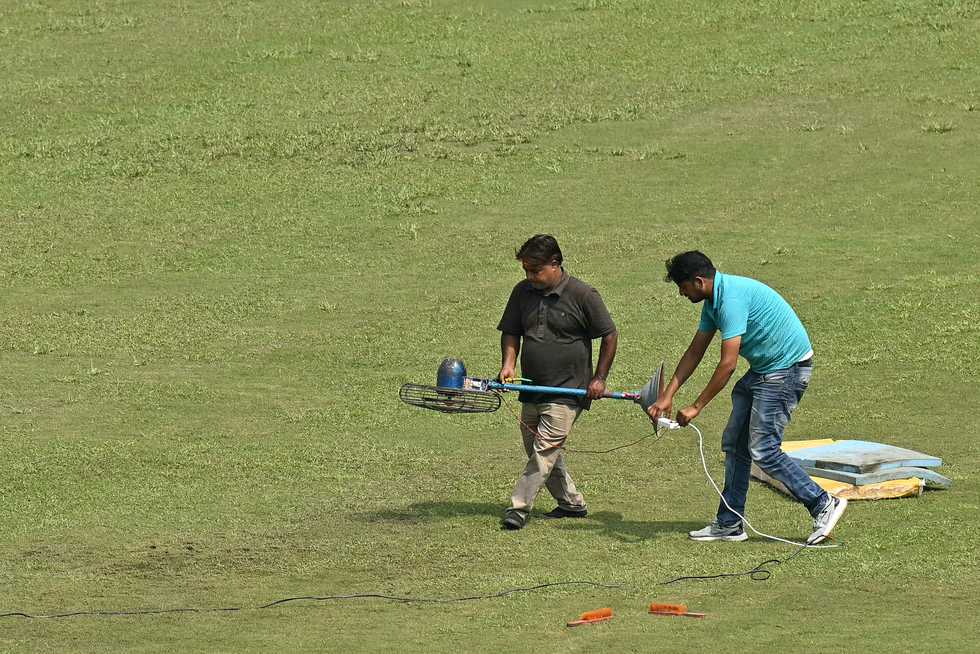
232 230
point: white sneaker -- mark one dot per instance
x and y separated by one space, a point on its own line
716 532
824 523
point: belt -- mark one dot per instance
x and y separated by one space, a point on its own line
806 363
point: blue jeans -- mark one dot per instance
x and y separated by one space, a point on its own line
761 409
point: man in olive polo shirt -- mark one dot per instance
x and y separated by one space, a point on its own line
556 316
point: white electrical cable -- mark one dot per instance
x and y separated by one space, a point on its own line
670 424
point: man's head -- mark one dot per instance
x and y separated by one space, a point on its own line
693 273
541 258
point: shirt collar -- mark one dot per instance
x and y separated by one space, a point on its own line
716 288
560 286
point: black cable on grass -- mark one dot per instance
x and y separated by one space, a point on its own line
568 449
107 614
612 449
311 598
449 600
758 573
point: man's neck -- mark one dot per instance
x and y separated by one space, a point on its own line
551 289
709 289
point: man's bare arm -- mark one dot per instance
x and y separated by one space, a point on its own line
685 367
719 378
607 352
510 346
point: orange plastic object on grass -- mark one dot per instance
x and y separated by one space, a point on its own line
673 609
590 617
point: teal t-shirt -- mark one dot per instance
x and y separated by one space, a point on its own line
773 337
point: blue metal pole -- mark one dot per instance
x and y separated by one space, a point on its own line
557 390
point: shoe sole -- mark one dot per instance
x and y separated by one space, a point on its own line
731 539
567 515
513 524
820 535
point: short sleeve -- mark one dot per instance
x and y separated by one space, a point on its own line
733 318
600 323
707 322
510 322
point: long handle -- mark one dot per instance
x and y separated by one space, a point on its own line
558 390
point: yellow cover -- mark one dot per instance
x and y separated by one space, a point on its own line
791 446
894 488
883 490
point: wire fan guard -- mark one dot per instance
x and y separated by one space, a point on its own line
449 400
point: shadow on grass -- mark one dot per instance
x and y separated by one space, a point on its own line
609 523
614 525
429 511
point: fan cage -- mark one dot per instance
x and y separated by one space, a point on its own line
449 400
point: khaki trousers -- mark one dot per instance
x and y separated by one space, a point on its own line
545 458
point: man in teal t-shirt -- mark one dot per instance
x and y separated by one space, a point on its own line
758 324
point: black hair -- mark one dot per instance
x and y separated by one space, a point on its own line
684 267
540 249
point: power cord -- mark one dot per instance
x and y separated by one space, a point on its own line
613 449
309 598
538 438
449 600
758 573
704 464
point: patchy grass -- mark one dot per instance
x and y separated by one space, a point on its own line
231 232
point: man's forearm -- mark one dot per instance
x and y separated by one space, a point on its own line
607 352
689 362
510 346
685 367
719 379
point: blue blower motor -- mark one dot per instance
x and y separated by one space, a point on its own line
451 374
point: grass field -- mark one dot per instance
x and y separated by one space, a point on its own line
231 231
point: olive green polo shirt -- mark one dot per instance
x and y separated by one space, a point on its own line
556 328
